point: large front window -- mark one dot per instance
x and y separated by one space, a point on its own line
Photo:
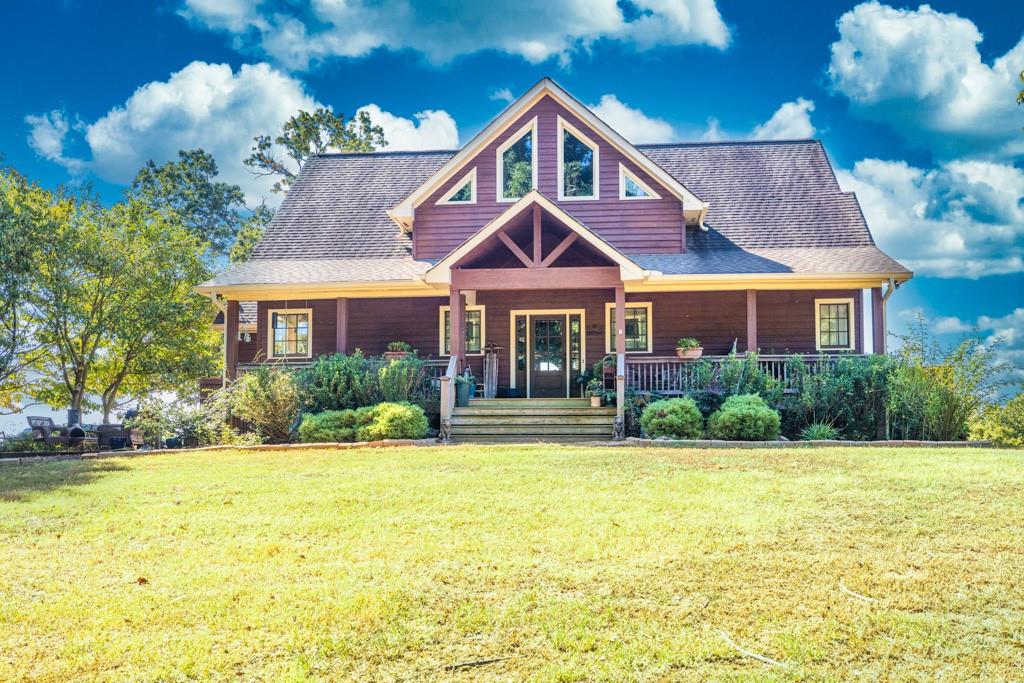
638 328
834 318
289 333
578 164
517 164
474 330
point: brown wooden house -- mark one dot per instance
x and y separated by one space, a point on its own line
554 241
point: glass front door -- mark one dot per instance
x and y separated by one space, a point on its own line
548 356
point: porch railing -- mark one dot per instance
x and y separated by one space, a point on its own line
671 376
435 367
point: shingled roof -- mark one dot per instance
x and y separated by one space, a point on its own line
776 207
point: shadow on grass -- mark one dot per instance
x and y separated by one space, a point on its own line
19 483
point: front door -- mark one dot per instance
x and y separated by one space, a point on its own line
547 367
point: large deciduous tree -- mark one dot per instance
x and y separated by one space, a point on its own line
187 188
116 308
250 233
28 215
306 134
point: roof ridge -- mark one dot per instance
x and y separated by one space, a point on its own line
726 143
386 153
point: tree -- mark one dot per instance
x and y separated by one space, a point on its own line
1020 95
28 215
116 309
211 210
306 134
250 233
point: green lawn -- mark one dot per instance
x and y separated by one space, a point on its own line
575 563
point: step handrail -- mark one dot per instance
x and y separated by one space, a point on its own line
447 381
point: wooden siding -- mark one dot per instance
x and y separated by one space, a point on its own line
786 319
717 319
634 226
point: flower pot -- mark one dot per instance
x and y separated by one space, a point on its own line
595 401
462 394
395 355
690 354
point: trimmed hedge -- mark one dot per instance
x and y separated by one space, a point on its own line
674 417
745 417
370 423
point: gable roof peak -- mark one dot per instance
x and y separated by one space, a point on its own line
404 212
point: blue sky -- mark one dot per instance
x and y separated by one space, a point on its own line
915 104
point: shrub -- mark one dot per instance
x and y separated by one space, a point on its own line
707 401
269 400
394 421
202 424
674 417
935 394
334 425
1002 425
745 417
339 382
819 431
741 375
850 395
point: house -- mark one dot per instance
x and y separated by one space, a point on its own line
552 241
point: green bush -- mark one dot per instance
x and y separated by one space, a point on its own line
745 417
269 400
819 431
395 421
369 423
333 426
1002 425
677 418
340 382
707 401
850 395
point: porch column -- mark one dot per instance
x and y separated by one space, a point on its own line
230 340
620 360
456 316
341 333
878 320
751 320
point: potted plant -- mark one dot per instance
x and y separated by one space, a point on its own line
595 390
689 348
465 388
397 350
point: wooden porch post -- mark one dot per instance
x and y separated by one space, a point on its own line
751 320
877 321
620 361
341 333
457 328
230 340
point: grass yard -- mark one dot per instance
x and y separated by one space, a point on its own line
573 563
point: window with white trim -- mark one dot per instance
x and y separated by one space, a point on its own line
639 334
290 335
631 187
462 192
834 322
517 164
578 164
474 330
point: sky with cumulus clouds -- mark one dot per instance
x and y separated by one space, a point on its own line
914 103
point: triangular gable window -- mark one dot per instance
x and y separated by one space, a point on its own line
517 164
631 187
578 164
462 192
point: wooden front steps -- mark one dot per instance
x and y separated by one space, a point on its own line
534 419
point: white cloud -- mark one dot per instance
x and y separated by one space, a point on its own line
210 106
430 130
631 123
47 136
1008 330
962 219
502 95
300 33
949 324
920 72
789 122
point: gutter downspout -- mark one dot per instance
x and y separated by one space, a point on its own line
885 319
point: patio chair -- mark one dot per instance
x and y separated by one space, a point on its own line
43 429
